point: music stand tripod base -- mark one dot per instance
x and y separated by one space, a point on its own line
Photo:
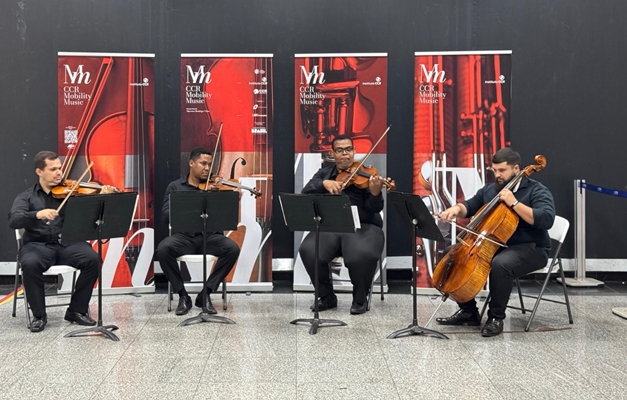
317 323
204 316
415 330
104 330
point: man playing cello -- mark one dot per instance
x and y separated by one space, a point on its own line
37 212
527 249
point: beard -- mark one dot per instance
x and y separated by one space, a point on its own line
501 186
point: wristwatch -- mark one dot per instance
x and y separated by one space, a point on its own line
514 204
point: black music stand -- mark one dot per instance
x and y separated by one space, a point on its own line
203 211
319 213
98 217
422 225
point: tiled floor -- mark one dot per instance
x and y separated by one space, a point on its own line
264 357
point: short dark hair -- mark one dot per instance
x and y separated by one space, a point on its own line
507 155
341 137
197 152
40 158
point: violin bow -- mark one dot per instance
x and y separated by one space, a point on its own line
363 160
213 158
75 186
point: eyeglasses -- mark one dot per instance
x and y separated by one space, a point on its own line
340 150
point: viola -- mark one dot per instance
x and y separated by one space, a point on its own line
359 175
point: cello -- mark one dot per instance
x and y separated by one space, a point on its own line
464 270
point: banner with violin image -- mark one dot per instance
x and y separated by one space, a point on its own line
226 106
106 117
337 94
461 118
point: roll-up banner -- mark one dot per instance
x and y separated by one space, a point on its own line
461 118
336 94
232 93
106 116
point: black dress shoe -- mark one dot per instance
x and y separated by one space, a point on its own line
185 304
79 318
357 308
209 306
492 327
38 324
461 317
325 303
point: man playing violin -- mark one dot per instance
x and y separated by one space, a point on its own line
361 250
178 244
527 249
37 212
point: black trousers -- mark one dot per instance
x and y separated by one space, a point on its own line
36 258
179 244
361 251
508 263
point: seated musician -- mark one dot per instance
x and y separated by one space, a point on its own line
179 244
527 249
361 250
35 211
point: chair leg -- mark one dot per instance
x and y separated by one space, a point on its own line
570 315
520 296
26 309
537 304
169 297
17 277
485 305
224 294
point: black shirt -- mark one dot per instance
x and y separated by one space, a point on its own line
367 204
531 193
23 215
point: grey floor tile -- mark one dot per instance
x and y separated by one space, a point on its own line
266 357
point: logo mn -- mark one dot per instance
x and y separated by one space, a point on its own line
431 76
75 77
199 76
312 77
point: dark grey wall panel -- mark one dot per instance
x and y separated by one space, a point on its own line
568 90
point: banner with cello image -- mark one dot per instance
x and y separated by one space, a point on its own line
106 116
337 94
227 107
461 118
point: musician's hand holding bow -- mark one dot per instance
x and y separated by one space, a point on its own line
47 213
334 187
448 215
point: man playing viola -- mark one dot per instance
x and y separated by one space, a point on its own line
527 249
178 244
37 212
361 250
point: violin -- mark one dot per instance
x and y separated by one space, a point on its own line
66 188
359 175
227 184
70 187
